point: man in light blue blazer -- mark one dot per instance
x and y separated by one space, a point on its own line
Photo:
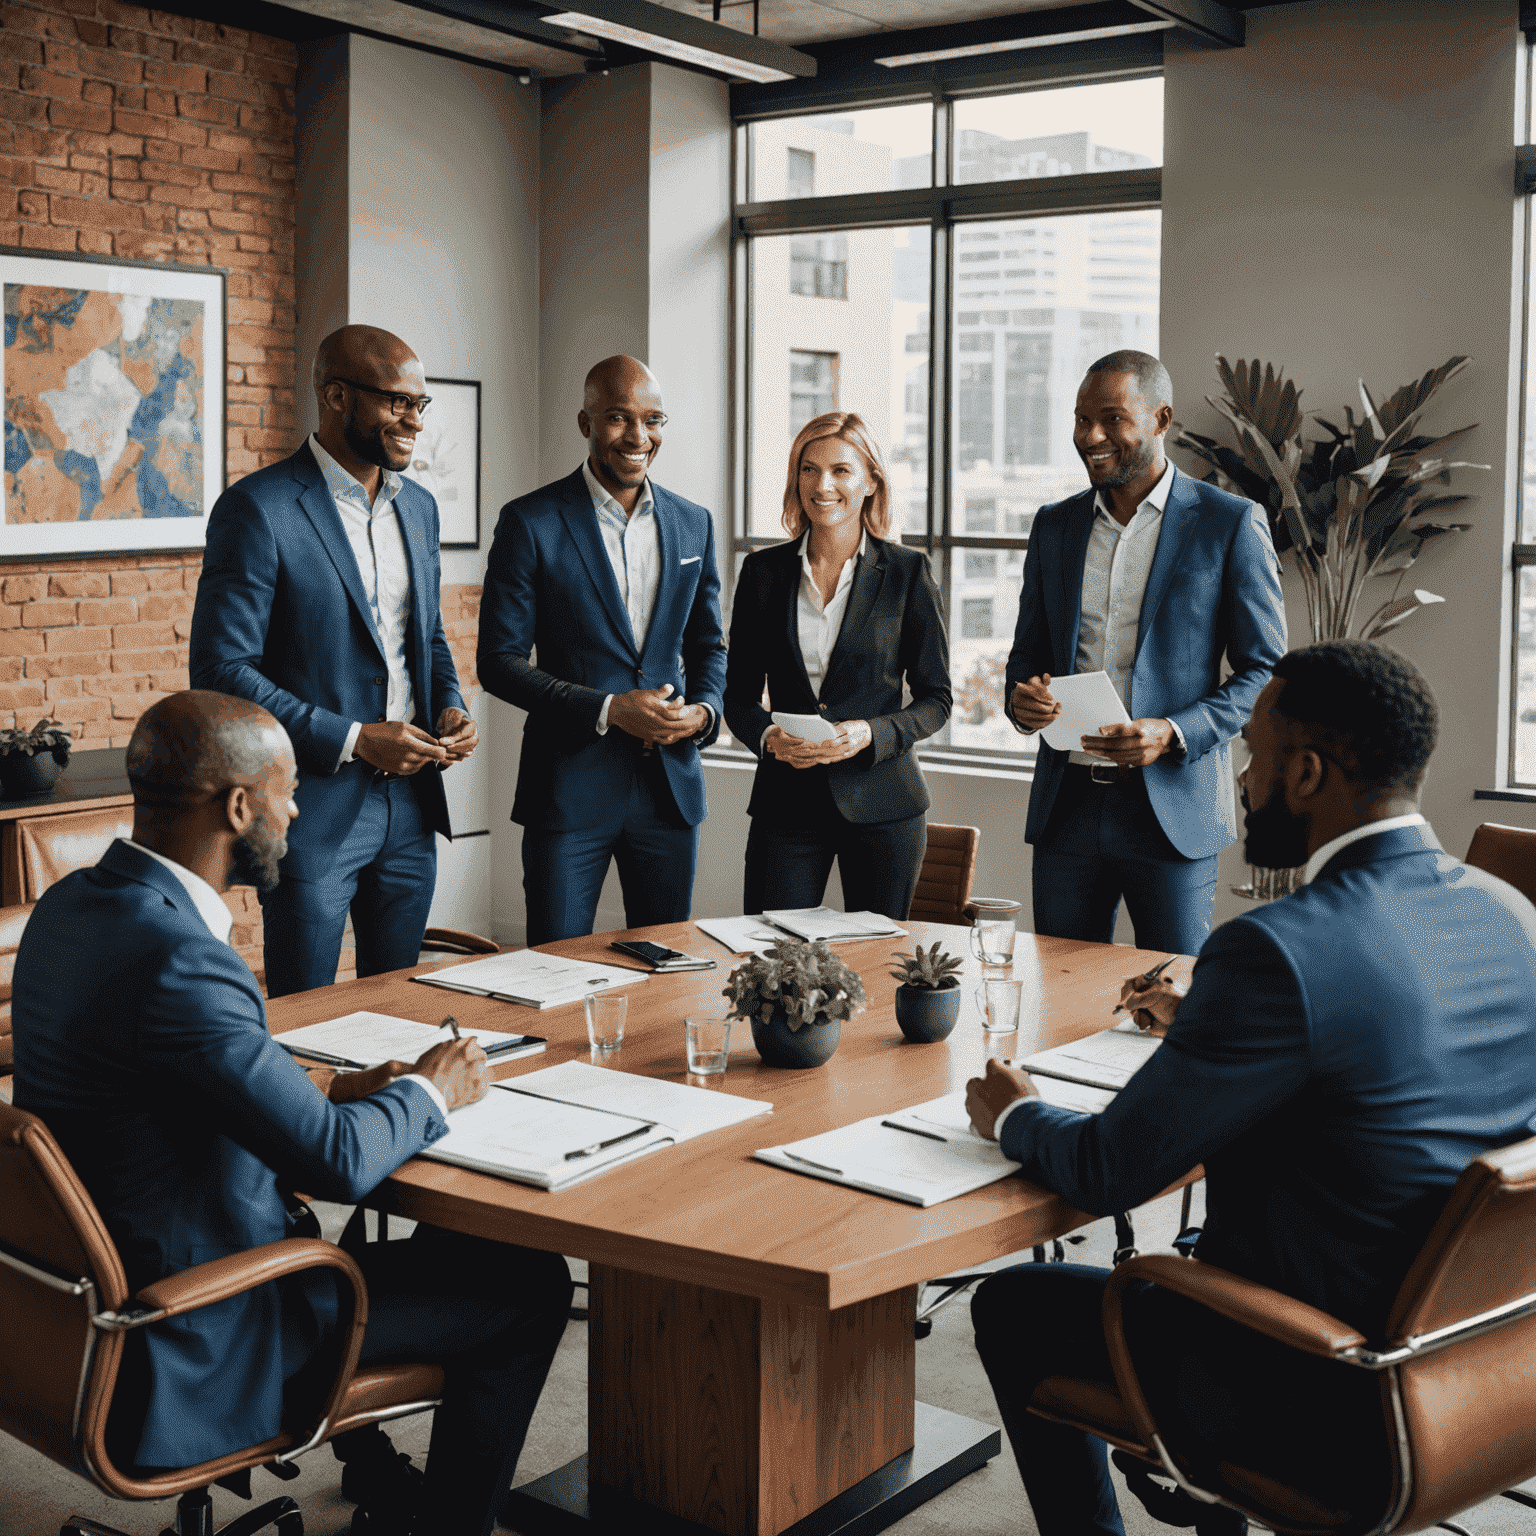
1156 579
320 600
1341 1055
141 1040
611 580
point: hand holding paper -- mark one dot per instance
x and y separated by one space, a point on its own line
1088 700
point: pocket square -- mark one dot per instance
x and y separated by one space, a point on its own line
690 560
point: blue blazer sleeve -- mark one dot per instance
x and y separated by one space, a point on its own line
229 630
703 648
1254 620
203 1025
1238 1048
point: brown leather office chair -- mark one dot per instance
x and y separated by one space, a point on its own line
1509 853
944 881
1457 1368
457 941
51 847
13 920
67 1310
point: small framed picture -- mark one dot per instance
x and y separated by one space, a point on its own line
446 460
114 386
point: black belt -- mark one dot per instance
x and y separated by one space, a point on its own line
1102 773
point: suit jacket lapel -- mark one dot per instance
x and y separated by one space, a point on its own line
320 508
868 577
789 574
667 546
418 559
580 518
1179 518
1074 555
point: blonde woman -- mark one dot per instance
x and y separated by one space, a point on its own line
835 621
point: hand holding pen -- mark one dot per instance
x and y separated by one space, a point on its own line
1153 999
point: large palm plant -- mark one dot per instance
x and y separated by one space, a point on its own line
1358 503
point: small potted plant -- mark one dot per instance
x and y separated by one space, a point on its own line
30 760
928 999
795 997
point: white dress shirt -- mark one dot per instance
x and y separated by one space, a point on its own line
378 545
633 544
1344 839
210 907
1115 572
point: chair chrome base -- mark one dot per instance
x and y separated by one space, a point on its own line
194 1517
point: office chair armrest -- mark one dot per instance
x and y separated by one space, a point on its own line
219 1279
457 941
1254 1306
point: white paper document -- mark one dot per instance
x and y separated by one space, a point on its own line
741 935
833 926
1088 700
366 1039
532 1128
932 1160
528 976
811 728
1109 1059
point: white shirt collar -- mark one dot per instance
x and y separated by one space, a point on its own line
1156 498
1344 839
210 905
805 550
340 483
601 497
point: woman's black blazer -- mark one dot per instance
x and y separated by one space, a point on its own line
892 632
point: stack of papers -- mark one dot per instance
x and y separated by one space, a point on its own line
741 935
530 977
563 1124
756 935
924 1155
367 1039
1088 700
1107 1060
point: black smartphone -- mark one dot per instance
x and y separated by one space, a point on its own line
642 949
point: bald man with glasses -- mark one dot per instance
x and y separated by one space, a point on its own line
319 600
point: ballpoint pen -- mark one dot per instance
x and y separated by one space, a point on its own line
1146 979
612 1141
912 1130
451 1023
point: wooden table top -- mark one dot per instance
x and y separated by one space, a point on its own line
706 1212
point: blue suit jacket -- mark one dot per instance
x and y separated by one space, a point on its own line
549 588
1342 1055
142 1042
282 619
1213 593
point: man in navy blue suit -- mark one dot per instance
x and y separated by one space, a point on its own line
320 601
611 580
141 1040
1155 579
1340 1057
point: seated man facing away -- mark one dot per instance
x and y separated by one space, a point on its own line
141 1040
1339 1059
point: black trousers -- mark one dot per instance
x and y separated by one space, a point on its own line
491 1315
878 862
1234 1394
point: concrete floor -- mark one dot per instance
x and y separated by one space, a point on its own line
36 1496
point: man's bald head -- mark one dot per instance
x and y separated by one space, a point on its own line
361 352
192 745
616 378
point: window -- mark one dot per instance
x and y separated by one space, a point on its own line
1521 769
812 387
966 315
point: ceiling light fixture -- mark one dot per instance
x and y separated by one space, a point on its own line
686 39
1007 44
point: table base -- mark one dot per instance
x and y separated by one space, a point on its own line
948 1447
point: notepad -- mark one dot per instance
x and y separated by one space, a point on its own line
741 935
530 977
933 1160
1109 1059
812 728
1088 700
367 1039
832 926
534 1122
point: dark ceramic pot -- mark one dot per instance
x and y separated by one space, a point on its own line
781 1046
927 1014
22 775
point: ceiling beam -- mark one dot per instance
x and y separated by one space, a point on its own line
1202 18
520 21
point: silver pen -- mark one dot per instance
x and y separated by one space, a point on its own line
1146 979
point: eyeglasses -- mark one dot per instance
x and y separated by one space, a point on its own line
652 423
399 404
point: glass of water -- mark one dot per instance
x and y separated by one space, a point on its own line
709 1045
605 1020
992 941
997 1000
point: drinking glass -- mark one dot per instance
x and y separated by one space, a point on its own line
992 941
997 1000
709 1045
605 1019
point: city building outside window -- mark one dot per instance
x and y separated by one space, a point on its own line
812 387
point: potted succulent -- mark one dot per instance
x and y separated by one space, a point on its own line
30 760
795 997
928 999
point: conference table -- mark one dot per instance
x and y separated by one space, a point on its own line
751 1336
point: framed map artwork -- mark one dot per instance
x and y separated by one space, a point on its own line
114 393
446 460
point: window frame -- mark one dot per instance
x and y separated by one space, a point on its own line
943 207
